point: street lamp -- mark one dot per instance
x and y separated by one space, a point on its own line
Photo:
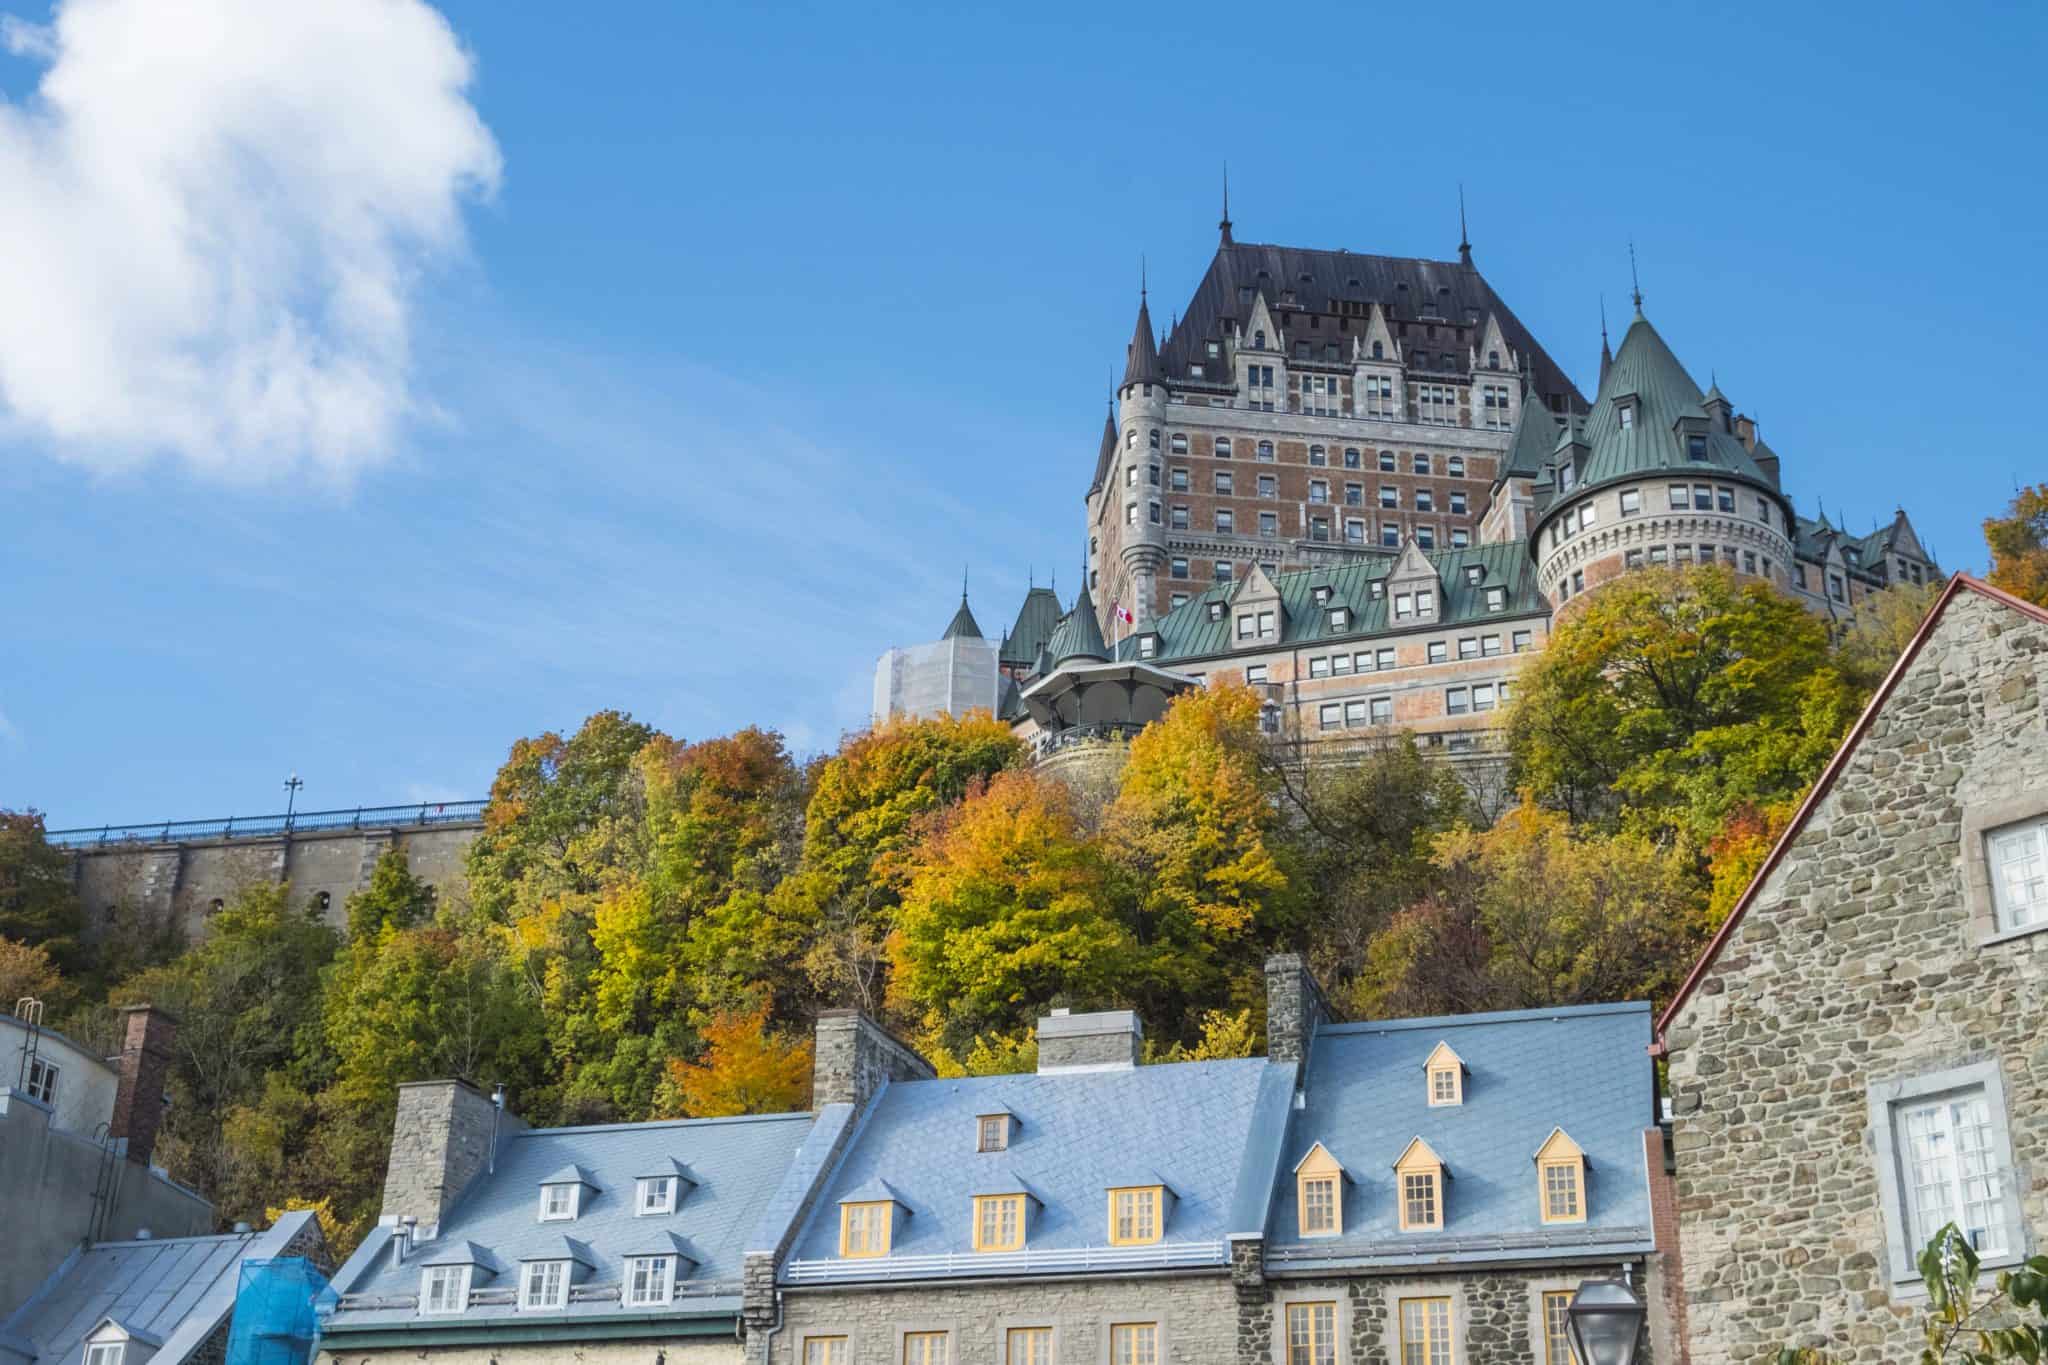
1605 1322
291 797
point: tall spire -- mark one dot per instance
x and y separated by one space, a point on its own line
1464 237
1141 359
1634 280
1606 354
1224 225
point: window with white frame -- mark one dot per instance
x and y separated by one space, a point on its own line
655 1194
545 1284
106 1353
649 1280
42 1081
1438 651
1496 598
2018 858
558 1202
444 1289
1945 1156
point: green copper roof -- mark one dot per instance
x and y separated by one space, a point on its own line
962 625
1036 620
1536 435
1648 376
1186 632
1080 635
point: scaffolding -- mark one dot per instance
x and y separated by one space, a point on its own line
274 1321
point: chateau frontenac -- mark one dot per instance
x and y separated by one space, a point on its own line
1362 485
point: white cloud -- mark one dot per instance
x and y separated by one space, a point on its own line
214 218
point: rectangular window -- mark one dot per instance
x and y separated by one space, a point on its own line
993 1133
1421 463
1489 645
1028 1346
1404 605
864 1229
106 1353
1724 499
1952 1172
1390 536
42 1081
1222 571
1354 713
1319 667
1387 461
1418 1199
998 1222
1561 1192
1311 1334
1134 1343
1520 641
1340 664
926 1348
1425 601
1631 501
1222 447
649 1280
1425 501
1223 481
1458 504
1460 537
824 1351
1226 520
1681 497
1179 600
1682 554
1330 716
657 1194
1130 514
1354 531
1437 651
1386 658
1318 490
1269 524
1457 701
2019 874
1318 1206
1178 568
1631 559
1496 599
1749 562
1426 1326
1256 674
1178 517
546 1285
1425 537
1557 1342
1269 486
1702 498
1382 710
1354 495
444 1289
1134 1217
1482 696
1468 646
1177 479
1389 496
1318 528
557 1202
1660 554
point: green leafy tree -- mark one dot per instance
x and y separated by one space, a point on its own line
26 970
2019 546
1879 629
37 903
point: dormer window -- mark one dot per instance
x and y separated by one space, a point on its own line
992 1133
650 1281
1319 1193
544 1285
1419 1181
655 1194
1321 593
998 1222
1216 611
1696 448
444 1289
1625 413
1446 1071
1148 646
1561 1179
1340 618
1259 340
1136 1215
864 1228
1567 476
1474 573
1493 360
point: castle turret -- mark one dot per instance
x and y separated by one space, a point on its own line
1142 405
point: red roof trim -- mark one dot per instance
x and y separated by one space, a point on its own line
1828 775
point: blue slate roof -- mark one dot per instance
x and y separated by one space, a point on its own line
1209 1129
1586 1069
173 1290
739 1166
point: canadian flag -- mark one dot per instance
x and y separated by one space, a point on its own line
1116 609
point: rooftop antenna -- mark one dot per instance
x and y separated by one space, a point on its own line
1141 277
963 583
1223 226
1464 238
1634 280
497 1108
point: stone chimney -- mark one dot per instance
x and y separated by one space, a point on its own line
1745 431
853 1055
139 1078
1110 1040
443 1136
1295 1008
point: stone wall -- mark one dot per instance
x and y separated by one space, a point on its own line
1858 965
853 1055
180 882
440 1139
637 1351
1295 1008
1197 1315
1496 1315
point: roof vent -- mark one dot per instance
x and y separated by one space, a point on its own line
243 1228
143 1234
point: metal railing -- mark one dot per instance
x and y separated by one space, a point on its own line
270 826
1165 1255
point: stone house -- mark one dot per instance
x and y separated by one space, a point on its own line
1858 1057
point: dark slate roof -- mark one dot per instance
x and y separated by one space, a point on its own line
1186 632
1141 357
1584 1068
1322 281
175 1289
962 625
1037 619
1209 1129
1106 457
739 1166
1079 635
1645 369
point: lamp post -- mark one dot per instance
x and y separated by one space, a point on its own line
1605 1323
291 797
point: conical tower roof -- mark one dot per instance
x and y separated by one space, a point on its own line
1079 636
1536 433
962 626
1105 458
1141 357
1037 619
1648 379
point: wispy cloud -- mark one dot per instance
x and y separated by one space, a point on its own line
8 733
227 221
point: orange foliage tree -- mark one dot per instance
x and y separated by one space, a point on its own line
746 1069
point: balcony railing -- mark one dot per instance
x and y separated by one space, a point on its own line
271 826
1032 1261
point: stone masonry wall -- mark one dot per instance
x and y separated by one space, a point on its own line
853 1055
1197 1317
1496 1315
440 1139
1857 964
672 1350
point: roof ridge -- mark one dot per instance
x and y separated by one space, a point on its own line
644 1125
1443 1021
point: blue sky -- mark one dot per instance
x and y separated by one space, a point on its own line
769 319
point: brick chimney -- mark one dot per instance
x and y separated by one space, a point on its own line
852 1055
139 1078
442 1137
1109 1040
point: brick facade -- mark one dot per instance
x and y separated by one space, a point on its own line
144 1063
1852 973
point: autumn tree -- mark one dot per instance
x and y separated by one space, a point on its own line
1535 912
1008 905
26 970
2019 545
38 905
1879 629
1680 695
747 1068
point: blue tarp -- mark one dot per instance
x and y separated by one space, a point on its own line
274 1322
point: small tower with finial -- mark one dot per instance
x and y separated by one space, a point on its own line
1223 225
1464 237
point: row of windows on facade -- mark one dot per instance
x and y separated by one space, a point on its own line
1426 1337
1224 482
1663 556
1357 530
1353 458
1838 587
1438 651
1371 711
1414 604
646 1282
1698 497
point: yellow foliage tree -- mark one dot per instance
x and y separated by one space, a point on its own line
746 1069
2019 546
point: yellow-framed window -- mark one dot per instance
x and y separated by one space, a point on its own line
1134 1216
1563 1195
1028 1346
1312 1334
824 1351
1557 1343
1318 1205
998 1222
864 1229
1421 1201
1426 1332
1134 1343
926 1348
